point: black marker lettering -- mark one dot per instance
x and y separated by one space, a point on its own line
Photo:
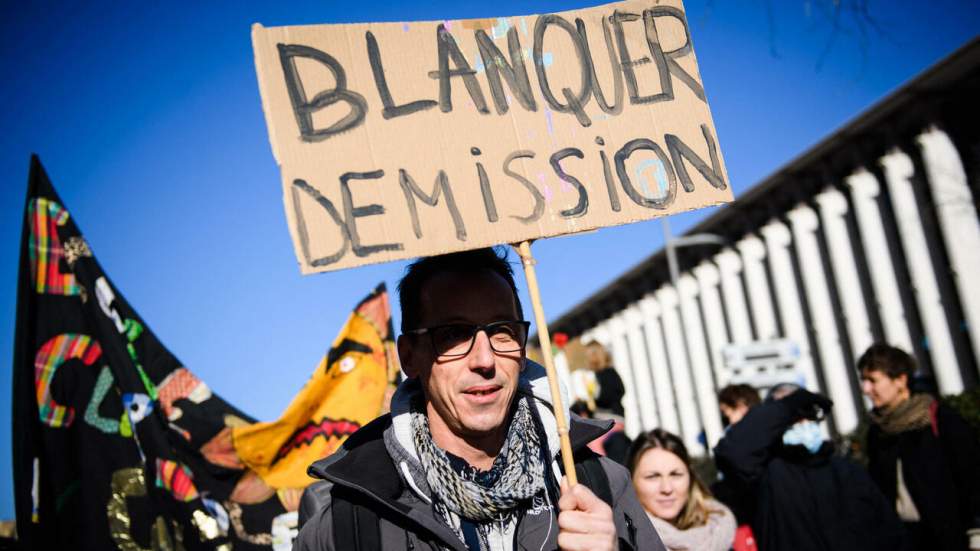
303 108
667 61
608 177
488 203
412 190
304 238
600 98
352 213
538 198
627 63
515 73
582 206
448 49
624 153
390 110
679 151
577 102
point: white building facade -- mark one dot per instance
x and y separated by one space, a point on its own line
871 236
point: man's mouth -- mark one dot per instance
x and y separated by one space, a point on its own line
482 392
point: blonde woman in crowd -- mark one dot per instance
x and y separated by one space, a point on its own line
677 502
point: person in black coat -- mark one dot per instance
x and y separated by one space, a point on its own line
607 403
611 389
805 498
922 454
734 402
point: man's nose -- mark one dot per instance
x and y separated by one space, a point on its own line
481 356
866 387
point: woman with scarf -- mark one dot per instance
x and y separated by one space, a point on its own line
677 502
922 455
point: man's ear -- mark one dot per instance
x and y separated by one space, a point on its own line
405 356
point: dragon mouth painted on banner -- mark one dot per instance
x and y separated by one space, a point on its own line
306 434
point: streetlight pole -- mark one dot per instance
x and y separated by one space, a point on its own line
671 244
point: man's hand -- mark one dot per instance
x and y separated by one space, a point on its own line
585 522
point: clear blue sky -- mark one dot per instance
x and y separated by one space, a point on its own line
148 120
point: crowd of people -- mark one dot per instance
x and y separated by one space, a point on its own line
469 457
781 484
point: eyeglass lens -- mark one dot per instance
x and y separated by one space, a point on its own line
458 339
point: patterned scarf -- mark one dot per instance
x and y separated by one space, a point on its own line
911 414
517 474
716 534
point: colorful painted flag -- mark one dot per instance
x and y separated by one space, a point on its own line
346 391
119 446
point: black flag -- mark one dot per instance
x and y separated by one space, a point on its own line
111 432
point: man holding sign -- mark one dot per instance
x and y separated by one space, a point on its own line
403 140
467 459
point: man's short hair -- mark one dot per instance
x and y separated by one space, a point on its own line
891 361
733 395
488 260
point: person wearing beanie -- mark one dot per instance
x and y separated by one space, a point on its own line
805 498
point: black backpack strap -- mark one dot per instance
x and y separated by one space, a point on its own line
315 497
590 472
355 526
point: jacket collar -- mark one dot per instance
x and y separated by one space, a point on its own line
362 462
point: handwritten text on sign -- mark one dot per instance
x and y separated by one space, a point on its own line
398 140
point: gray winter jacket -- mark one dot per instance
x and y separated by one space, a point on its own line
364 469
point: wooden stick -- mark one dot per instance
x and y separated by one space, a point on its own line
524 250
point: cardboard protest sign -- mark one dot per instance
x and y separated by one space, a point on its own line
398 140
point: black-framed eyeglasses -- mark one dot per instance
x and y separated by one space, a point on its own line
455 340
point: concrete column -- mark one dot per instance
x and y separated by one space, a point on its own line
805 224
753 253
646 401
833 209
714 320
680 372
659 366
729 268
958 221
788 298
864 192
697 348
898 176
621 362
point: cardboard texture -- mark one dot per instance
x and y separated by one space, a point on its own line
398 140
